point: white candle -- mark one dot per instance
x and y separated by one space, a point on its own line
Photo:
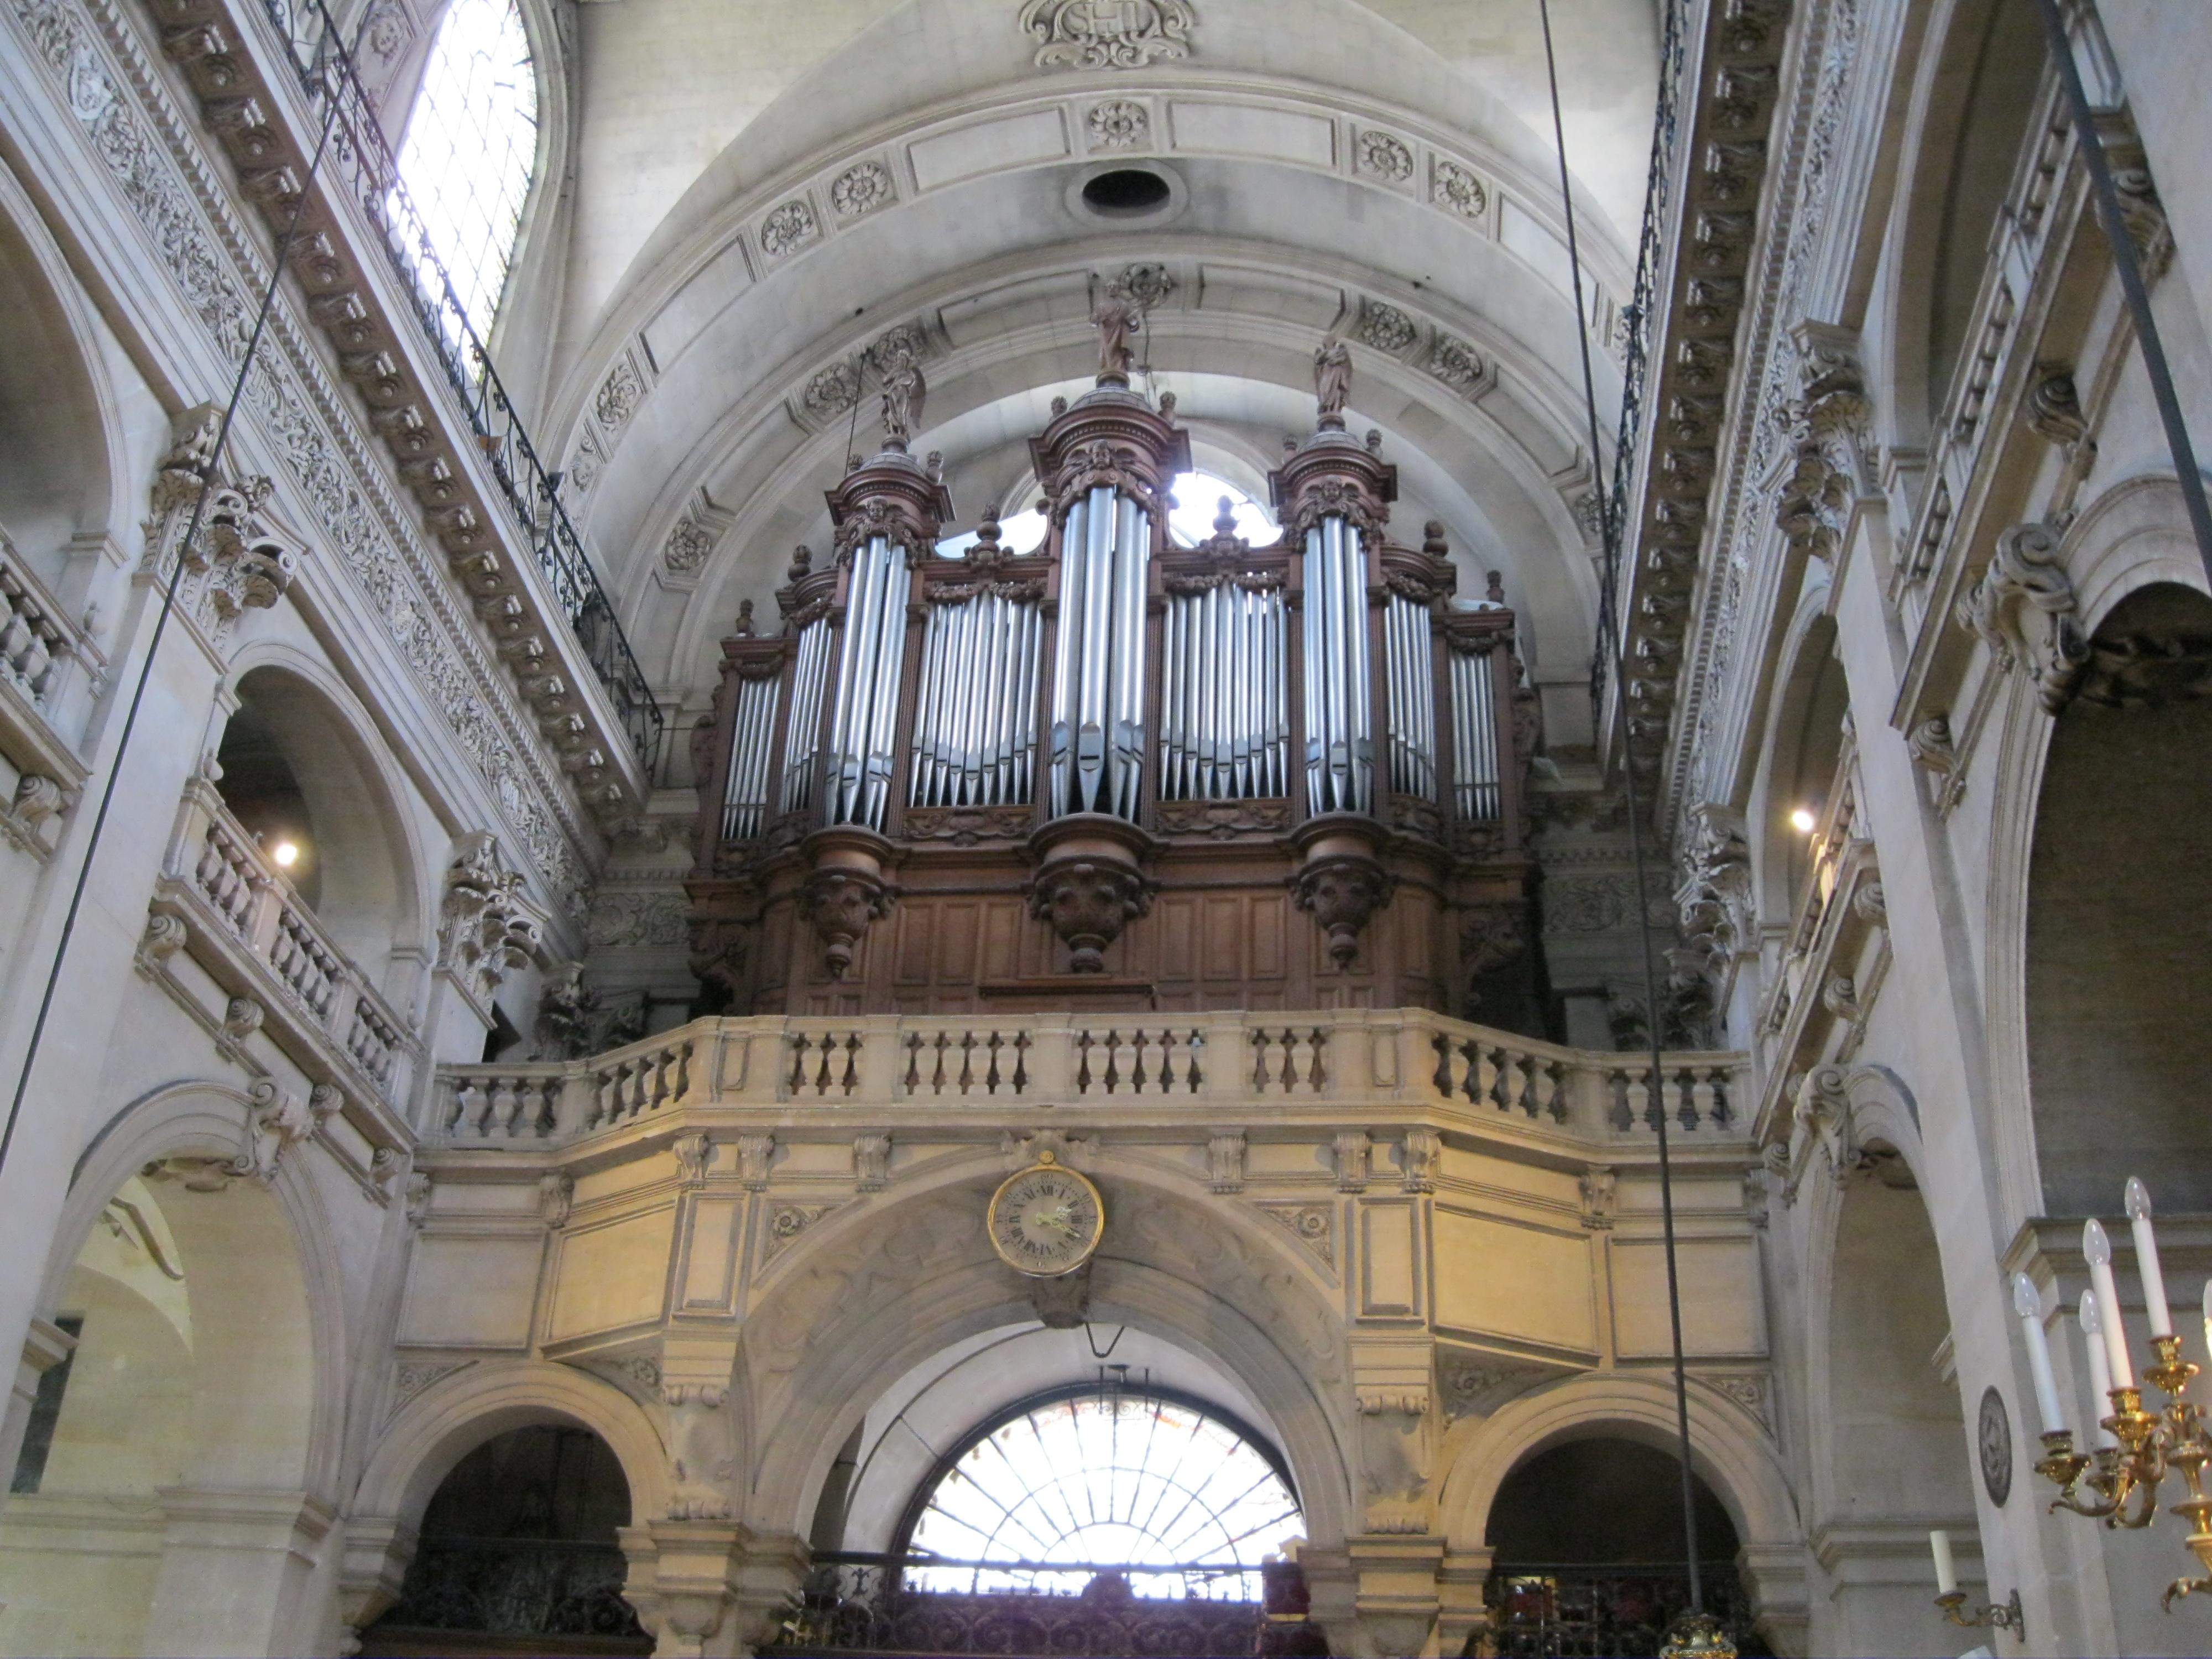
2029 1305
2098 1249
2208 1315
2154 1281
1946 1573
2100 1373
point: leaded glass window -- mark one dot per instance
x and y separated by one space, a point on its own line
1108 1478
470 148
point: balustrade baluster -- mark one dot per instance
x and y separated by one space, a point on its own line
991 1045
967 1061
1021 1061
851 1080
912 1079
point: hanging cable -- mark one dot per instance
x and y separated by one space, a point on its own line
1611 645
207 471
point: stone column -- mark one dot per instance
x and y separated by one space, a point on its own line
236 1572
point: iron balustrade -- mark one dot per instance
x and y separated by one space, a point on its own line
866 1603
1639 319
1561 1612
514 1587
360 155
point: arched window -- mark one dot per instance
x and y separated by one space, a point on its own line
470 146
1107 1477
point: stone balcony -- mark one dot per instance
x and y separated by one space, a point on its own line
1167 1072
50 675
233 944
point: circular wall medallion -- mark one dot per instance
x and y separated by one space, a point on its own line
1994 1436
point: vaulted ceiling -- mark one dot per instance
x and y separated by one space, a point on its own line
763 192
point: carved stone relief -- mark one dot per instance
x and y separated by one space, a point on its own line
1107 35
2024 610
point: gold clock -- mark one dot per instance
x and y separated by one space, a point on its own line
1046 1220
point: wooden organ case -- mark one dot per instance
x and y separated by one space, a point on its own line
1116 773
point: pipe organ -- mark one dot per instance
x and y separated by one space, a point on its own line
1117 772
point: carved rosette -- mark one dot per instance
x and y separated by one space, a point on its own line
1090 884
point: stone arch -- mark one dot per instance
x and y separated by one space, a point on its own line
366 877
204 1391
1257 1316
1886 1438
439 1426
62 472
1968 112
2130 538
1729 1450
1805 742
207 1120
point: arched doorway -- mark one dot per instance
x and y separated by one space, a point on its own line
1589 1553
519 1552
2118 974
157 1503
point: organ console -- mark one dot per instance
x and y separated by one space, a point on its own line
1116 772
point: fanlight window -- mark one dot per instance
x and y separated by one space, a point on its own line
1106 1478
470 145
1198 500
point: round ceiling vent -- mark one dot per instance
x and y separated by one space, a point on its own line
1120 194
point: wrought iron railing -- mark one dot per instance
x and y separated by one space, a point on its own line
857 1604
516 1586
360 155
1638 321
1565 1611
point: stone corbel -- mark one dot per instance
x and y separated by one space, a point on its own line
711 1587
872 1162
1601 1189
1353 1149
1821 1123
485 927
277 1121
1396 1459
1419 1154
2025 610
701 1457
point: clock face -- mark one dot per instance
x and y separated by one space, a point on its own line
1046 1220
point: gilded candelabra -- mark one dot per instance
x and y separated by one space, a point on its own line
2118 1484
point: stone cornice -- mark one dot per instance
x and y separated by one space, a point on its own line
1694 372
251 107
161 172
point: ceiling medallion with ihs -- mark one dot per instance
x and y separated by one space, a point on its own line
1096 34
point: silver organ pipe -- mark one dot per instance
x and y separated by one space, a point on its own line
1098 671
976 717
1225 719
860 735
1475 737
1340 716
1411 679
752 731
809 677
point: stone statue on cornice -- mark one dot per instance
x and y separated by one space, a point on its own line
1333 379
1117 317
904 393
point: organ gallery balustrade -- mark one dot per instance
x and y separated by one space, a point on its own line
1351 1063
1155 755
